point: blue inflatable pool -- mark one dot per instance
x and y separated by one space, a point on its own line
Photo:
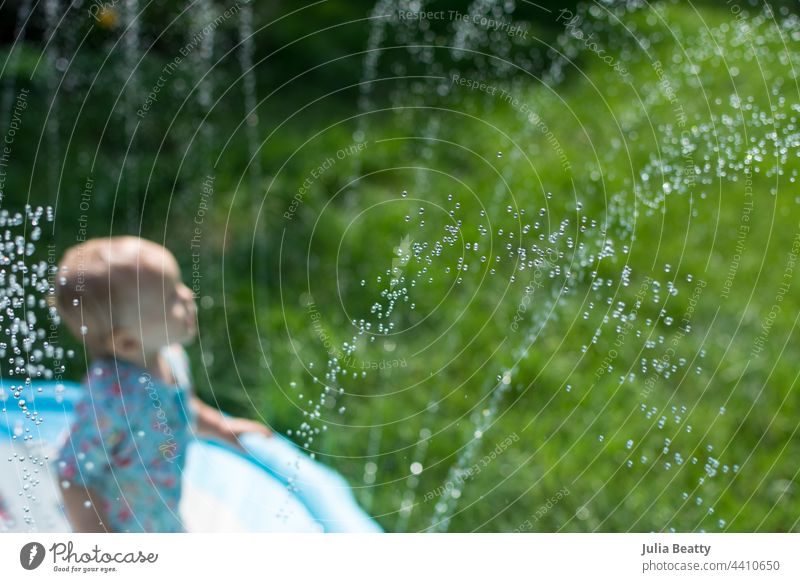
272 487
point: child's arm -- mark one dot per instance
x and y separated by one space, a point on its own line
212 422
83 519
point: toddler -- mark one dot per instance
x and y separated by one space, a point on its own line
120 466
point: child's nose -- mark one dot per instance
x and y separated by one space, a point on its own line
186 293
188 299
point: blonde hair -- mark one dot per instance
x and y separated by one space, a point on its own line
94 292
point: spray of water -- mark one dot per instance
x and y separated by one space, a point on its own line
29 349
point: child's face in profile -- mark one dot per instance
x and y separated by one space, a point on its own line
125 297
166 312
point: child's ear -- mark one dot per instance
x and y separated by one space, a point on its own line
123 343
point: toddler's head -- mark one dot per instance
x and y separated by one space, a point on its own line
123 295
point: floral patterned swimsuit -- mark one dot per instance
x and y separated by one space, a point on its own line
128 443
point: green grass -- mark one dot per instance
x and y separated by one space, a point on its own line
559 431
